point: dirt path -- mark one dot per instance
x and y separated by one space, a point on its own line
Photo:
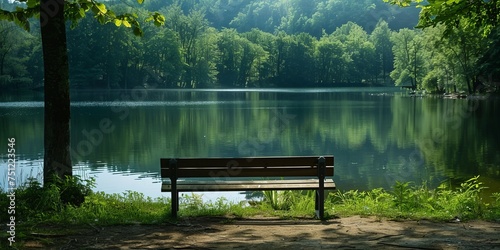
269 233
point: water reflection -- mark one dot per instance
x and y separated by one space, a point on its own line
377 136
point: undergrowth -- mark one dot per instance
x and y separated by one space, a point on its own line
61 203
71 203
418 202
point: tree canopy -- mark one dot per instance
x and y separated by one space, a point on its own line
480 14
214 43
74 11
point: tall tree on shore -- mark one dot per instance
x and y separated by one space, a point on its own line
408 60
53 15
57 158
381 38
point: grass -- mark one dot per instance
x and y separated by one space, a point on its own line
419 202
46 206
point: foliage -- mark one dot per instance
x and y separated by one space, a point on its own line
469 28
187 53
418 202
479 14
105 209
74 11
209 43
405 201
193 205
73 189
287 200
35 202
407 57
278 200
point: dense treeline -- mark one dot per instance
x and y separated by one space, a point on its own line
285 43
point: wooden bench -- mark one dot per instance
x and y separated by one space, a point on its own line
240 174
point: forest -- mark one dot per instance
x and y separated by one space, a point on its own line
241 43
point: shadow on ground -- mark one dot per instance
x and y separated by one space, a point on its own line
271 233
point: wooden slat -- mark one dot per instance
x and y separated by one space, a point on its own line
202 186
248 161
247 167
246 172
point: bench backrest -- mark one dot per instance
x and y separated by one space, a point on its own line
244 167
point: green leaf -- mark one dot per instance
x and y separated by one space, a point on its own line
81 11
99 8
95 9
26 25
101 19
140 1
157 18
85 6
158 24
111 14
118 22
32 3
102 8
126 24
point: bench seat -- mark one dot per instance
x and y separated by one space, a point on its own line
246 185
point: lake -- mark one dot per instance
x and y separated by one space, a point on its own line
377 135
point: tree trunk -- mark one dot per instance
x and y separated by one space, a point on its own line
57 158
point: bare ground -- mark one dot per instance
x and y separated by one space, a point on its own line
272 233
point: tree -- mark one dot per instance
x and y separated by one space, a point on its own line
230 53
189 29
440 67
57 158
266 58
481 15
164 53
466 23
329 61
296 60
14 52
358 52
53 15
489 62
205 71
408 62
381 39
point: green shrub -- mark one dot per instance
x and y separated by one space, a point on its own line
417 202
34 201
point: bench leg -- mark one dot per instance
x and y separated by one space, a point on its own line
174 198
175 203
320 204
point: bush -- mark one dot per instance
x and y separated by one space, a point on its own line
33 201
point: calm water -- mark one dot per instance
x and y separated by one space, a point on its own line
377 135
